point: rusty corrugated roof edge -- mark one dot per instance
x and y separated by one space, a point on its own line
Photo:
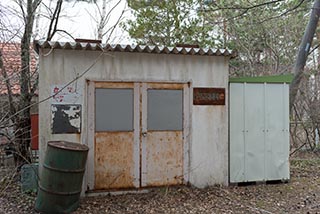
132 48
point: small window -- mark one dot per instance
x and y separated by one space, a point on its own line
114 109
165 109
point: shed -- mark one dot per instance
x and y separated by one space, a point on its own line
151 116
259 128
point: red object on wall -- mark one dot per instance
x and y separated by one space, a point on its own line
35 132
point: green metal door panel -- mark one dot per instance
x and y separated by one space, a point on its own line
254 132
237 133
277 126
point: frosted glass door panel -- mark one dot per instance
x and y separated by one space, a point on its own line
165 109
114 109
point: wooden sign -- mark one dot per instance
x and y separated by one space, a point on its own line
209 96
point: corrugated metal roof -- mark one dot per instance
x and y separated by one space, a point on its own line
133 48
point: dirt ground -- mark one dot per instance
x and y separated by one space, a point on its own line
300 195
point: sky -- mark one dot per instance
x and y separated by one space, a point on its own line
77 18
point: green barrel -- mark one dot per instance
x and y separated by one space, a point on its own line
61 177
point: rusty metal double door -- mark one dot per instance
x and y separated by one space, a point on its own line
139 134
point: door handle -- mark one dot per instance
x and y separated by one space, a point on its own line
144 134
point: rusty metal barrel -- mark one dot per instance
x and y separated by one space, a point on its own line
61 177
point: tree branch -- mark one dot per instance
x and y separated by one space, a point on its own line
65 32
54 20
241 7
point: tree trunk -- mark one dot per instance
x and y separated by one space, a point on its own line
23 124
304 51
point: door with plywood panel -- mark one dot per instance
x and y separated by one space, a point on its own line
162 134
116 149
139 135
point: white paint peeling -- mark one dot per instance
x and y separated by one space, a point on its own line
72 111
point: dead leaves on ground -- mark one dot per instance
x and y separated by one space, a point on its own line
300 195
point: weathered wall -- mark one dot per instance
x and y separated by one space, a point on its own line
209 129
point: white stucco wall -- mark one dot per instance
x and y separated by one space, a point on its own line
209 124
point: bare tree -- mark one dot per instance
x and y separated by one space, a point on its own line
20 113
103 16
18 105
304 51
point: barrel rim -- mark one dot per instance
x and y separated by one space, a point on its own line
67 145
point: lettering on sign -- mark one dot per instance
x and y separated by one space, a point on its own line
209 96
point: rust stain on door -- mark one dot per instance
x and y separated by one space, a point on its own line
114 162
163 158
